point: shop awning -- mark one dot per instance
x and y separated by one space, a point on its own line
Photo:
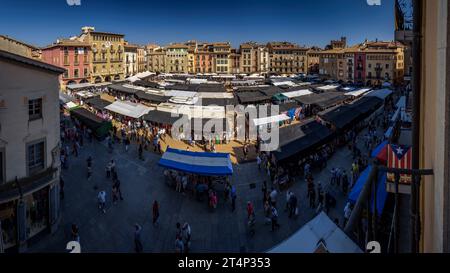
122 89
323 100
70 105
151 97
381 189
357 93
207 164
380 93
129 109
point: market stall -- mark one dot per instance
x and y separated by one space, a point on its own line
99 127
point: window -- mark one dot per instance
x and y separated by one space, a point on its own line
35 154
66 74
387 66
85 72
76 73
35 109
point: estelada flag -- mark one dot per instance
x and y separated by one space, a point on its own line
399 157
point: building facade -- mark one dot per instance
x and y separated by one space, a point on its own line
176 58
20 48
287 58
313 55
141 59
131 60
29 150
254 58
221 58
156 56
73 56
107 55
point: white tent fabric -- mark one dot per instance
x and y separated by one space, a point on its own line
132 79
214 95
296 94
328 87
287 83
85 94
270 120
358 92
178 93
79 85
184 100
70 105
319 230
129 109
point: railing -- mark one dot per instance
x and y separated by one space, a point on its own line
364 204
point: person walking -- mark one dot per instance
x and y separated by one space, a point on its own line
312 198
258 162
119 191
292 205
186 235
102 201
345 183
179 246
274 218
75 233
115 195
273 197
155 210
108 170
127 144
288 198
140 151
250 210
138 247
233 198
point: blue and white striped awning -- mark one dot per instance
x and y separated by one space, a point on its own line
208 164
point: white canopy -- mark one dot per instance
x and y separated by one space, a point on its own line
270 120
214 95
319 230
358 92
79 85
298 93
328 87
70 105
129 109
178 93
85 94
184 100
287 83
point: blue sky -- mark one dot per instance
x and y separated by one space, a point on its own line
307 22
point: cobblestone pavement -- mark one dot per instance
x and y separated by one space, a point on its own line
142 182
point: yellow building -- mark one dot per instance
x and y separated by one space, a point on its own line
384 62
20 48
107 54
221 58
156 56
286 58
141 59
176 59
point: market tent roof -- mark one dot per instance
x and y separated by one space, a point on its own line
97 103
296 94
327 88
319 234
79 86
270 120
219 101
314 135
90 119
346 115
285 107
271 91
252 97
358 92
70 105
128 109
381 189
323 100
161 117
207 164
380 93
146 84
151 96
65 98
122 89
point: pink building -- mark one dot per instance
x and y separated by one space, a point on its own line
72 55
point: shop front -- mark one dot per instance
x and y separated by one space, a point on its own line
24 217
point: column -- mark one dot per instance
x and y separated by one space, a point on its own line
22 226
54 206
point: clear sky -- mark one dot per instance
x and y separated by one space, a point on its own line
306 22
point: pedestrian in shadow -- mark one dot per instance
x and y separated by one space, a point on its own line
155 213
137 238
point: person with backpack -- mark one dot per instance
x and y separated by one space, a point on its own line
186 235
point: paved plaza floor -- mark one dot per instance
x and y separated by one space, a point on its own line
142 182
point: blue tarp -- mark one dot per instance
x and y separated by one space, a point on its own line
381 189
207 164
389 132
379 148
